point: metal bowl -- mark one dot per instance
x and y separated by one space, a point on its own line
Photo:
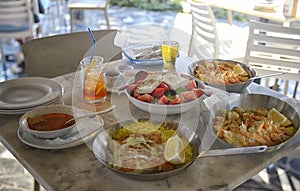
104 154
253 101
237 88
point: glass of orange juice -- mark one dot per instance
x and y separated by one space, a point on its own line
94 87
169 54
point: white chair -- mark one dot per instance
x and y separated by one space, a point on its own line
16 21
214 40
88 5
60 54
274 48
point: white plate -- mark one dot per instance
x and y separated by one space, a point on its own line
86 130
24 110
28 92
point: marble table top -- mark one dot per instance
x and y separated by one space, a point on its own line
77 168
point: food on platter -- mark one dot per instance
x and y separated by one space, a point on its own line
49 121
262 126
148 147
221 72
165 89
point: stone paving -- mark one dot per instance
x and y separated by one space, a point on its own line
284 175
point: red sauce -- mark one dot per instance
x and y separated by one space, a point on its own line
49 122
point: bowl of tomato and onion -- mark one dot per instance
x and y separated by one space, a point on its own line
49 121
166 100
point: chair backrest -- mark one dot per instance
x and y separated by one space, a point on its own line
203 27
81 4
274 48
61 54
16 18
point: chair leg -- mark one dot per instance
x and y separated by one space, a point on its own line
36 186
229 17
107 20
295 90
58 8
71 19
286 85
267 82
3 59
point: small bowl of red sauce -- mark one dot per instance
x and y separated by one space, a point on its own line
49 121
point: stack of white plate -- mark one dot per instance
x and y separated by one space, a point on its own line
24 94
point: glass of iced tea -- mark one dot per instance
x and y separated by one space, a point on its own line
169 54
94 87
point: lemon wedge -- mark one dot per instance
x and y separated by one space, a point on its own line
238 69
174 150
94 61
277 117
286 122
290 130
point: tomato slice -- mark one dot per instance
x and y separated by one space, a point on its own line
163 100
198 92
164 85
175 101
158 92
187 96
146 98
134 93
191 85
130 88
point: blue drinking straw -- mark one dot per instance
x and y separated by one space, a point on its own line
94 43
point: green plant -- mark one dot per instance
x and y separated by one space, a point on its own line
222 14
153 5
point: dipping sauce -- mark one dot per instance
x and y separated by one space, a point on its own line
49 122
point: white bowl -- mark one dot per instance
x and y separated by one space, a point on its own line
163 109
129 74
170 109
111 76
23 123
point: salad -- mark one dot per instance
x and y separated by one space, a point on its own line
165 89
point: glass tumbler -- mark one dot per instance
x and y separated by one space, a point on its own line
94 87
169 54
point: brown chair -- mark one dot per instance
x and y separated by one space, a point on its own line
61 54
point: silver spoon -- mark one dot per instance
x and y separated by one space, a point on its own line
92 114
